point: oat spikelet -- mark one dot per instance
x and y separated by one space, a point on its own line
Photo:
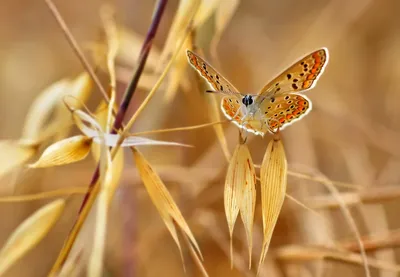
13 155
29 233
273 176
240 193
63 152
248 201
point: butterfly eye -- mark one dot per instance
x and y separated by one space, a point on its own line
247 100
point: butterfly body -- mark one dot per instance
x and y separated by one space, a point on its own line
278 104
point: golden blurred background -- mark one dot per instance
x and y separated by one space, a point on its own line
351 135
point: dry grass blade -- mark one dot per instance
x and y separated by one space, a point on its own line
29 233
215 115
294 253
117 164
176 75
108 184
130 44
206 10
112 140
80 90
74 45
240 193
13 155
163 200
41 109
185 13
273 189
95 265
195 257
110 28
223 15
63 152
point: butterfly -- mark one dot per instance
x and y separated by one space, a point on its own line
278 104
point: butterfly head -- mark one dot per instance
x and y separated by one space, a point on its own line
247 100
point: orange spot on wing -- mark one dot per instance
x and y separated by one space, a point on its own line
310 77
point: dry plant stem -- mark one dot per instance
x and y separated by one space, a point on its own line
370 196
352 224
110 29
75 47
179 128
42 195
375 242
160 7
323 181
73 233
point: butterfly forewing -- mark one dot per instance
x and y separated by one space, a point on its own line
301 76
212 76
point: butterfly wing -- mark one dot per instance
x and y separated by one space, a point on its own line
212 76
301 76
283 110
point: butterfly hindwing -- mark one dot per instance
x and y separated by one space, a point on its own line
283 110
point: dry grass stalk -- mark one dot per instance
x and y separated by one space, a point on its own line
300 253
29 233
375 242
182 20
75 47
41 109
223 16
43 195
374 194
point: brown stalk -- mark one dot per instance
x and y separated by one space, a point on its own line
160 7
